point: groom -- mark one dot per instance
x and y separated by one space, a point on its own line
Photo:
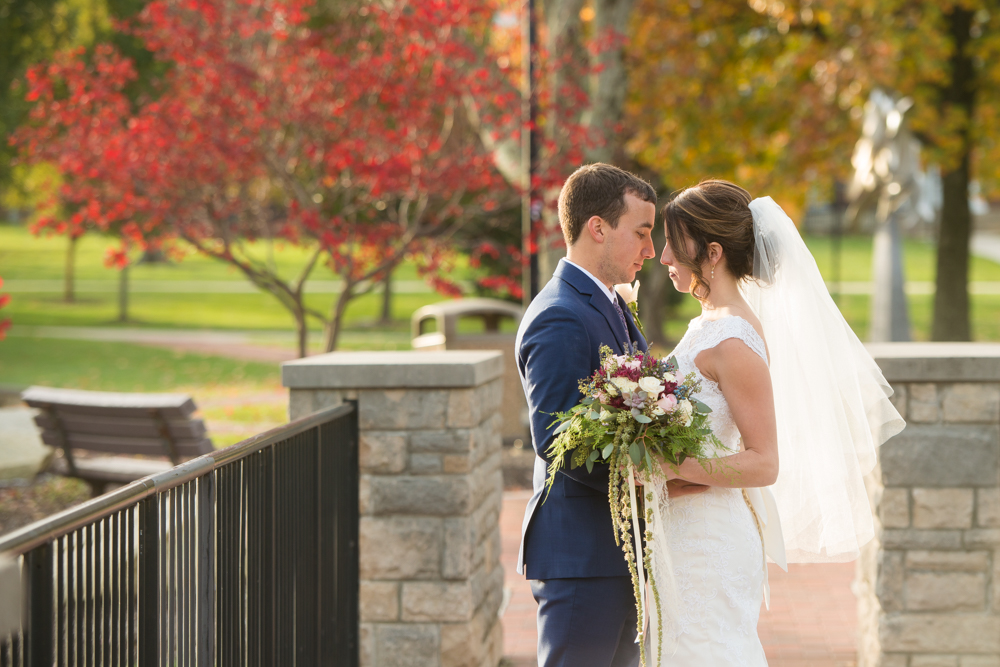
586 609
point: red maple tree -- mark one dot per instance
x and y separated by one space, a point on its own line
347 137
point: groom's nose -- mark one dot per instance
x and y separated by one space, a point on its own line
648 251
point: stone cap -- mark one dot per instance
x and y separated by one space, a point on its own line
937 362
393 369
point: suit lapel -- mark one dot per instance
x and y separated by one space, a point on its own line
584 285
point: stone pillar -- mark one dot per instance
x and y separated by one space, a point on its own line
430 495
928 586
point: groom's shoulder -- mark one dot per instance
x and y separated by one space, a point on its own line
555 309
556 299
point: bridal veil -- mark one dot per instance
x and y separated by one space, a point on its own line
831 400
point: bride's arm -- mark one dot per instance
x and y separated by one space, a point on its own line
745 382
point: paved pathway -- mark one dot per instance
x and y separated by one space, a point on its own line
21 448
811 622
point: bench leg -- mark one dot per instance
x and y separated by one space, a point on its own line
96 487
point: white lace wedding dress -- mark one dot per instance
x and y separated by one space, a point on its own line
715 547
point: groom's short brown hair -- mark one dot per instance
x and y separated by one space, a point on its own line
598 189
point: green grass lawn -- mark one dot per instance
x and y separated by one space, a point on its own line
122 367
24 256
919 259
201 311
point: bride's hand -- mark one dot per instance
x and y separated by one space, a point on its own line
681 487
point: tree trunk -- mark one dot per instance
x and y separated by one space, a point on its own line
951 289
386 318
951 295
302 332
69 275
123 294
335 324
612 81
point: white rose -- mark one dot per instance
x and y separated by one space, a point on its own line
651 386
625 385
629 293
669 377
686 410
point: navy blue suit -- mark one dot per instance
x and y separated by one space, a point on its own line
579 576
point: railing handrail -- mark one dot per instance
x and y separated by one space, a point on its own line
45 530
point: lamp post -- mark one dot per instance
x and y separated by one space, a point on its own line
531 209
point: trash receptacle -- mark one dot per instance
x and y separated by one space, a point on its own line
479 324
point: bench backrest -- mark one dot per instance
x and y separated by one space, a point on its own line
119 423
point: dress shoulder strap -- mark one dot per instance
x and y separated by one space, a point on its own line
713 332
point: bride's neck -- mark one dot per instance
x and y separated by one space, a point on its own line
725 293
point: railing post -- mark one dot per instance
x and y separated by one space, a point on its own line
149 581
39 599
206 571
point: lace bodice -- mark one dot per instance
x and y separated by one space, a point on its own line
704 335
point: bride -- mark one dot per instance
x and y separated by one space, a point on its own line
799 405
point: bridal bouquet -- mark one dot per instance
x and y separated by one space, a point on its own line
635 413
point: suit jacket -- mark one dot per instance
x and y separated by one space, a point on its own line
558 343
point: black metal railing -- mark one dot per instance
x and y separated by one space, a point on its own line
245 556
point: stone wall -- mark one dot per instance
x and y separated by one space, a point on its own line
430 495
928 586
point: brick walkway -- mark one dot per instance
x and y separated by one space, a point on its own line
811 622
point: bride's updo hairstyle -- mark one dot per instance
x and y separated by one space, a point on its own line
713 211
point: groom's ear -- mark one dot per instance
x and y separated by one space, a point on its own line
597 228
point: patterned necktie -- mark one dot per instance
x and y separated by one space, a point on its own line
621 314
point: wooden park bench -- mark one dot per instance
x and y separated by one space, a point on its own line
81 423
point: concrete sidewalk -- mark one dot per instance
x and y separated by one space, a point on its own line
811 622
21 450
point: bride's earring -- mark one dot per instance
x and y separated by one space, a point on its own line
713 273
